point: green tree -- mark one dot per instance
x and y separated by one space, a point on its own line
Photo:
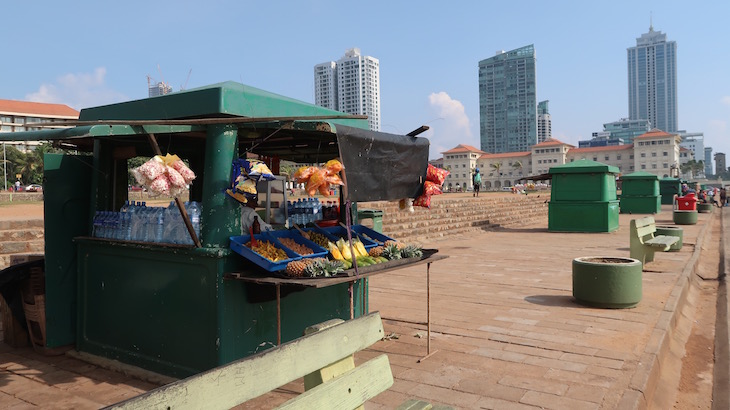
517 165
497 166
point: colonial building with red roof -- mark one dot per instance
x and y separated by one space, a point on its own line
656 152
16 116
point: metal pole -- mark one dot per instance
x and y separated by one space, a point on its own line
5 168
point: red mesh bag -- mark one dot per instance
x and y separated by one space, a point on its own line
436 175
423 200
431 188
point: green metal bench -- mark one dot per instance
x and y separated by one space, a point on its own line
323 356
644 243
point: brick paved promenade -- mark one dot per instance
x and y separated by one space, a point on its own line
505 331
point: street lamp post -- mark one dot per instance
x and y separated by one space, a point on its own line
5 168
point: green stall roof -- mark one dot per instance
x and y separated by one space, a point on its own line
216 100
640 175
583 166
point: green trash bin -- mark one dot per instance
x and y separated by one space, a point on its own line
375 214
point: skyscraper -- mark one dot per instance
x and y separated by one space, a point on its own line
351 85
652 68
508 101
544 122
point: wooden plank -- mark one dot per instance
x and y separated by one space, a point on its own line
349 390
229 385
414 404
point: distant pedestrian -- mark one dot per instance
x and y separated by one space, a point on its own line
476 180
723 196
17 186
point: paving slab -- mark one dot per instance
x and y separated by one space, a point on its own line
506 296
505 330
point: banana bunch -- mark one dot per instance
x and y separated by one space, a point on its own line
341 251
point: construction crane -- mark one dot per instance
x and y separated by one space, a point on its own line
182 87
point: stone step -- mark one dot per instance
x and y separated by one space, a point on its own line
21 224
15 235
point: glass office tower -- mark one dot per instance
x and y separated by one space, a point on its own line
508 101
652 69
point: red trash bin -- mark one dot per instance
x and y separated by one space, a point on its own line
687 202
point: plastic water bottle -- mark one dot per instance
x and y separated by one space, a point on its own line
159 216
194 214
171 217
96 225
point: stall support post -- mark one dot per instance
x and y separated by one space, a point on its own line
221 215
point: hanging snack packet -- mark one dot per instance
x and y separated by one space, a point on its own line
436 175
423 200
431 188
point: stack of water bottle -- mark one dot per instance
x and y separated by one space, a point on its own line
135 221
304 211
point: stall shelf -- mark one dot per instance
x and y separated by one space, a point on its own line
167 308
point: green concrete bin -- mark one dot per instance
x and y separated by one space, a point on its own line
583 197
640 193
376 215
668 187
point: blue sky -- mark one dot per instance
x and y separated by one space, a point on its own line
89 53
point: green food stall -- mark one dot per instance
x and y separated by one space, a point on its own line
668 188
583 197
640 193
172 308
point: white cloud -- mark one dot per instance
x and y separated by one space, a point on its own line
79 90
451 126
725 100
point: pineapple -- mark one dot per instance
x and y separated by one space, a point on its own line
323 267
376 251
411 251
391 251
296 269
396 243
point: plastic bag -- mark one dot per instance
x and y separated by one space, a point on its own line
436 175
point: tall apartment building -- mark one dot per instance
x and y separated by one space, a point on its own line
708 160
351 85
154 90
652 69
544 122
17 116
325 85
720 167
508 101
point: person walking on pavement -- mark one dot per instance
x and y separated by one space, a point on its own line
476 180
723 196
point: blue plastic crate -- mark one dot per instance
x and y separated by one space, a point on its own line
338 232
317 251
376 236
238 245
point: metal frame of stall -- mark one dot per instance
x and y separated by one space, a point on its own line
165 307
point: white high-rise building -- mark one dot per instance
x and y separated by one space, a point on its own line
544 122
351 85
325 85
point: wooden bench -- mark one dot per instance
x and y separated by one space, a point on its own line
323 356
643 243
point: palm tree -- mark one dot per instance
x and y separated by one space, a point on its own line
517 165
497 166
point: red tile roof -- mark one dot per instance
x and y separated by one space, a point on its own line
601 149
655 133
506 155
35 109
550 142
463 148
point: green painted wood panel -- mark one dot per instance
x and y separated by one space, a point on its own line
66 213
